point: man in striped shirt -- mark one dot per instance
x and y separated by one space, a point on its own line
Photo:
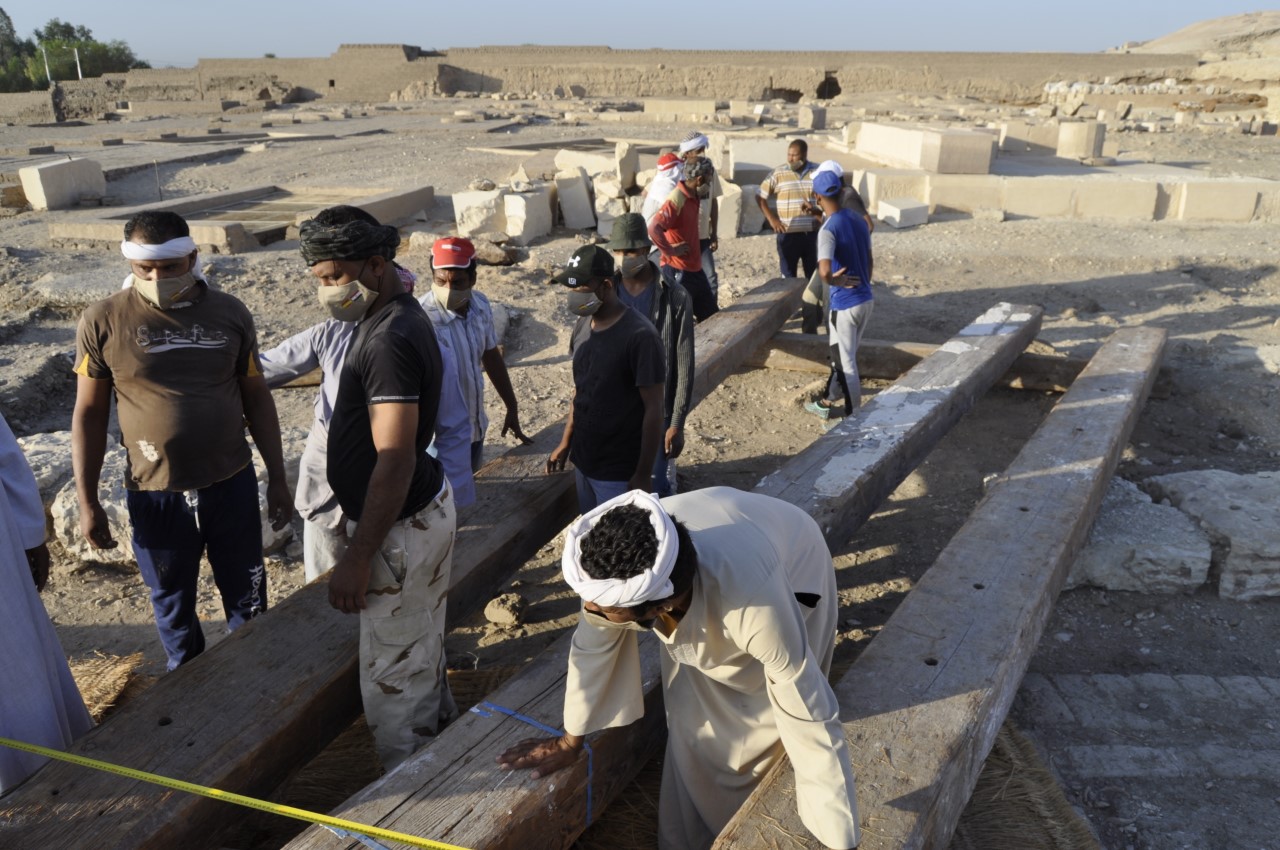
794 222
463 318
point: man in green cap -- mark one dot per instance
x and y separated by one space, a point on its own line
614 427
668 306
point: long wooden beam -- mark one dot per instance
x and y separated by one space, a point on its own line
451 790
269 697
923 703
800 352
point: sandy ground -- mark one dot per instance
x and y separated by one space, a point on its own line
1215 288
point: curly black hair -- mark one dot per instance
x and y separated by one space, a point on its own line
156 227
627 545
622 544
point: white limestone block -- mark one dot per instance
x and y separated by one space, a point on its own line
903 212
572 186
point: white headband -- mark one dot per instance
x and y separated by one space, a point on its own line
174 249
694 143
652 583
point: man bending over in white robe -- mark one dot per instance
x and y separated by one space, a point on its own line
741 592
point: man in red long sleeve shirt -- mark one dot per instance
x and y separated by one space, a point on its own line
674 229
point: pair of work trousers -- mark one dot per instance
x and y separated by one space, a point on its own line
699 289
797 250
322 546
403 676
709 267
172 529
845 329
593 492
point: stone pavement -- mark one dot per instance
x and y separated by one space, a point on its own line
1163 761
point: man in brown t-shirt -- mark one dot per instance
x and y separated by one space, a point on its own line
182 361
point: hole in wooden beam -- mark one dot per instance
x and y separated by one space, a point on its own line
932 662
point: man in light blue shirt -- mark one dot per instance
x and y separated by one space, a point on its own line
324 346
463 320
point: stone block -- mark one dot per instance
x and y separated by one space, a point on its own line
903 212
812 118
49 456
679 106
739 107
1216 201
61 184
530 215
1123 109
753 158
1116 200
729 217
1240 513
592 162
573 189
607 186
1039 197
76 290
941 151
880 184
1139 546
111 143
752 221
626 162
1080 139
965 192
479 211
1018 137
607 209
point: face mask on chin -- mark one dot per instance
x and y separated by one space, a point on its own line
347 302
605 623
451 299
166 293
797 166
583 303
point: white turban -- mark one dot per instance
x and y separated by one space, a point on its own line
174 249
830 165
649 584
692 144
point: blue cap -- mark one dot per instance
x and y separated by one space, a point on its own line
828 184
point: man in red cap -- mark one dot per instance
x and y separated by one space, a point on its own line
463 321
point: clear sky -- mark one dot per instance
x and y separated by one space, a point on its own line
169 33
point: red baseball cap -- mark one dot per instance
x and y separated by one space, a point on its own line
452 252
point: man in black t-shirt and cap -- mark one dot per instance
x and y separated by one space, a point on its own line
615 422
399 510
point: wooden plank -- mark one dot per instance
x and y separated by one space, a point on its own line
453 791
903 425
841 478
266 700
922 704
800 352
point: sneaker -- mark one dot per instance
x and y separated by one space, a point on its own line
818 409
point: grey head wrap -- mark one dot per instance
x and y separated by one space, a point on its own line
355 240
697 168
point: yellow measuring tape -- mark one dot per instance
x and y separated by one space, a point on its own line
358 829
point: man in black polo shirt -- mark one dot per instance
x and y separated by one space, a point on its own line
398 505
615 422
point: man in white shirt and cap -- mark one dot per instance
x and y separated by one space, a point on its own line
740 591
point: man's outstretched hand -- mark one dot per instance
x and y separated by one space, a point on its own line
544 755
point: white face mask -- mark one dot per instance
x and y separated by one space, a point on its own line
169 292
451 299
604 622
347 302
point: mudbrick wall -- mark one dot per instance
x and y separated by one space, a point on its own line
370 73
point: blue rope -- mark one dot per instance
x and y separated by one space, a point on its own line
523 718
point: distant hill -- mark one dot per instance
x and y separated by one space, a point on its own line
1251 35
